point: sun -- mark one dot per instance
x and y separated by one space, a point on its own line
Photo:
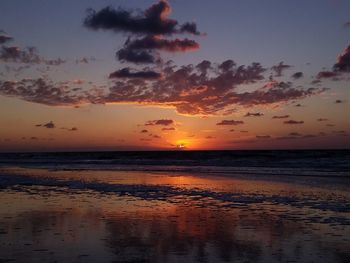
181 145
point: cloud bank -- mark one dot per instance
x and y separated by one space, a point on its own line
203 89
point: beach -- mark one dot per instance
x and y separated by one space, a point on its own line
109 215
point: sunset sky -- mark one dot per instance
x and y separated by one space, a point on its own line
197 74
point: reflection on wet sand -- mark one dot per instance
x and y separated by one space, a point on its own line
41 223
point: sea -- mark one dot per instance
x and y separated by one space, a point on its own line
331 163
175 206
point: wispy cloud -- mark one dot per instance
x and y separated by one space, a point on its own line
230 122
254 114
279 68
127 73
49 125
164 122
280 117
293 122
298 75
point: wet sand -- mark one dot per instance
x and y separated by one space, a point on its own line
118 216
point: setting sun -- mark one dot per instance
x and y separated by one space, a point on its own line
181 144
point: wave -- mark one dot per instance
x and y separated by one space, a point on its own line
172 193
302 162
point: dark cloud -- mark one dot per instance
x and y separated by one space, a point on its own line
152 21
16 54
164 122
4 38
279 68
27 55
227 65
295 134
154 42
316 82
342 65
136 56
53 62
293 122
190 27
144 50
280 117
254 114
82 60
230 122
286 138
210 137
343 61
47 92
204 66
168 129
70 129
189 89
147 31
276 92
297 75
127 73
85 60
203 89
322 119
327 75
263 136
49 125
144 131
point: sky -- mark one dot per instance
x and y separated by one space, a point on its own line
163 75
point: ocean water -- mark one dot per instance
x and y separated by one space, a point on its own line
180 206
282 162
